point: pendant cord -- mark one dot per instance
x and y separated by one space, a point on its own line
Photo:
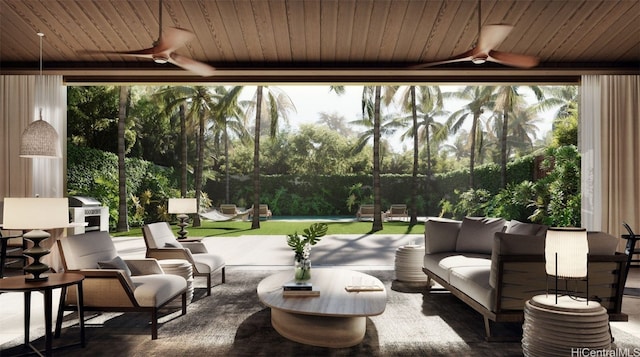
41 35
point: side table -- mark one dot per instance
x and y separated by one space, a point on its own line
183 268
561 329
55 281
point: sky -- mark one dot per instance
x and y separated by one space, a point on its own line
310 100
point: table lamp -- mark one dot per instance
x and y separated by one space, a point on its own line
566 255
36 215
182 206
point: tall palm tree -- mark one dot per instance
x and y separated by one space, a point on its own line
371 97
275 105
228 115
426 104
123 224
506 101
479 98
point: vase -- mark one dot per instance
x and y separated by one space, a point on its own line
302 269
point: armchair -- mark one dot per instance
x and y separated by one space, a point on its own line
162 244
127 286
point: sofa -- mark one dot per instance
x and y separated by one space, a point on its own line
495 266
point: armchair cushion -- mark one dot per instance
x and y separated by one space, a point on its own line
155 290
115 263
207 263
172 245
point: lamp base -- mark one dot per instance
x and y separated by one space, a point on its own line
182 233
36 253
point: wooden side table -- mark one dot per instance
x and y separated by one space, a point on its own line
55 281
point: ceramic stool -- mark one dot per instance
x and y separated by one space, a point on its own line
181 268
561 329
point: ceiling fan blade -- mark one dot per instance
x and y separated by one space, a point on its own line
192 65
173 38
491 36
513 59
145 53
466 56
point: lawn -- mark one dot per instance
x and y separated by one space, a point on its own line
278 227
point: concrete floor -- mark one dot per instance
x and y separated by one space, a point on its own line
358 252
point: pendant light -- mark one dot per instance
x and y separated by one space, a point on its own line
39 139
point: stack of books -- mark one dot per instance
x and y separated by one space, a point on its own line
299 289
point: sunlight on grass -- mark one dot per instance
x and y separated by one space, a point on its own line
239 228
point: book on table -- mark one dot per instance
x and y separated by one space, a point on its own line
297 286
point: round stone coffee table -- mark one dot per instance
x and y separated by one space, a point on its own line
336 318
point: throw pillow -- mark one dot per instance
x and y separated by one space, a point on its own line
171 245
528 229
476 234
115 263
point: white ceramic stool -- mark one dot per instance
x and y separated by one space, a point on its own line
181 268
408 264
562 329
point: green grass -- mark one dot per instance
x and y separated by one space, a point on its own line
275 227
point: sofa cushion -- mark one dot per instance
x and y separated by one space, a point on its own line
476 234
474 282
601 243
440 235
532 229
442 263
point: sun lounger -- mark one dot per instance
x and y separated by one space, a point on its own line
264 212
398 211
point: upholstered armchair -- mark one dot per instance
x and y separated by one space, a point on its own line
114 284
162 244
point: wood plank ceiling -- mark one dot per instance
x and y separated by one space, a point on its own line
318 37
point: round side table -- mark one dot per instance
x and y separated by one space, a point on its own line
560 329
408 264
181 268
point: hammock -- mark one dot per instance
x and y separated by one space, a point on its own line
217 216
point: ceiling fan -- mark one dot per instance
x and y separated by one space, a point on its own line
490 37
164 48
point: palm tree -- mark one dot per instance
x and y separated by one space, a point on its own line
123 224
480 98
228 114
275 105
429 104
506 102
371 97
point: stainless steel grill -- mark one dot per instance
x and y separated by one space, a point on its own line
90 211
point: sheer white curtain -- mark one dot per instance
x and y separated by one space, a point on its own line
48 174
610 147
589 146
22 96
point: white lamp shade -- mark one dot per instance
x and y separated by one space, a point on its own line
571 247
39 139
183 205
35 213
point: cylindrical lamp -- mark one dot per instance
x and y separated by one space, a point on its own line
570 246
35 214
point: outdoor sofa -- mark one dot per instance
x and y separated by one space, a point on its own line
496 266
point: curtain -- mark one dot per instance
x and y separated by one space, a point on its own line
621 156
16 104
589 147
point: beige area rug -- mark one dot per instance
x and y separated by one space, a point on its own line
233 322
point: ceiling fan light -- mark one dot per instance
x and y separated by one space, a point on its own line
479 60
160 59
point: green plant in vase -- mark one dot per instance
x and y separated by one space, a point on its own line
301 245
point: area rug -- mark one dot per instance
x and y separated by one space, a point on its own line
233 322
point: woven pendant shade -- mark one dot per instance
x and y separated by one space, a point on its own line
39 139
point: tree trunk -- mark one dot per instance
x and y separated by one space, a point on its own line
199 167
377 203
123 223
183 151
414 175
226 163
474 129
255 223
503 150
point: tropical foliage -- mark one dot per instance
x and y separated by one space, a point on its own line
219 143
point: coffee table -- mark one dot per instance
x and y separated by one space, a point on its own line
336 318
